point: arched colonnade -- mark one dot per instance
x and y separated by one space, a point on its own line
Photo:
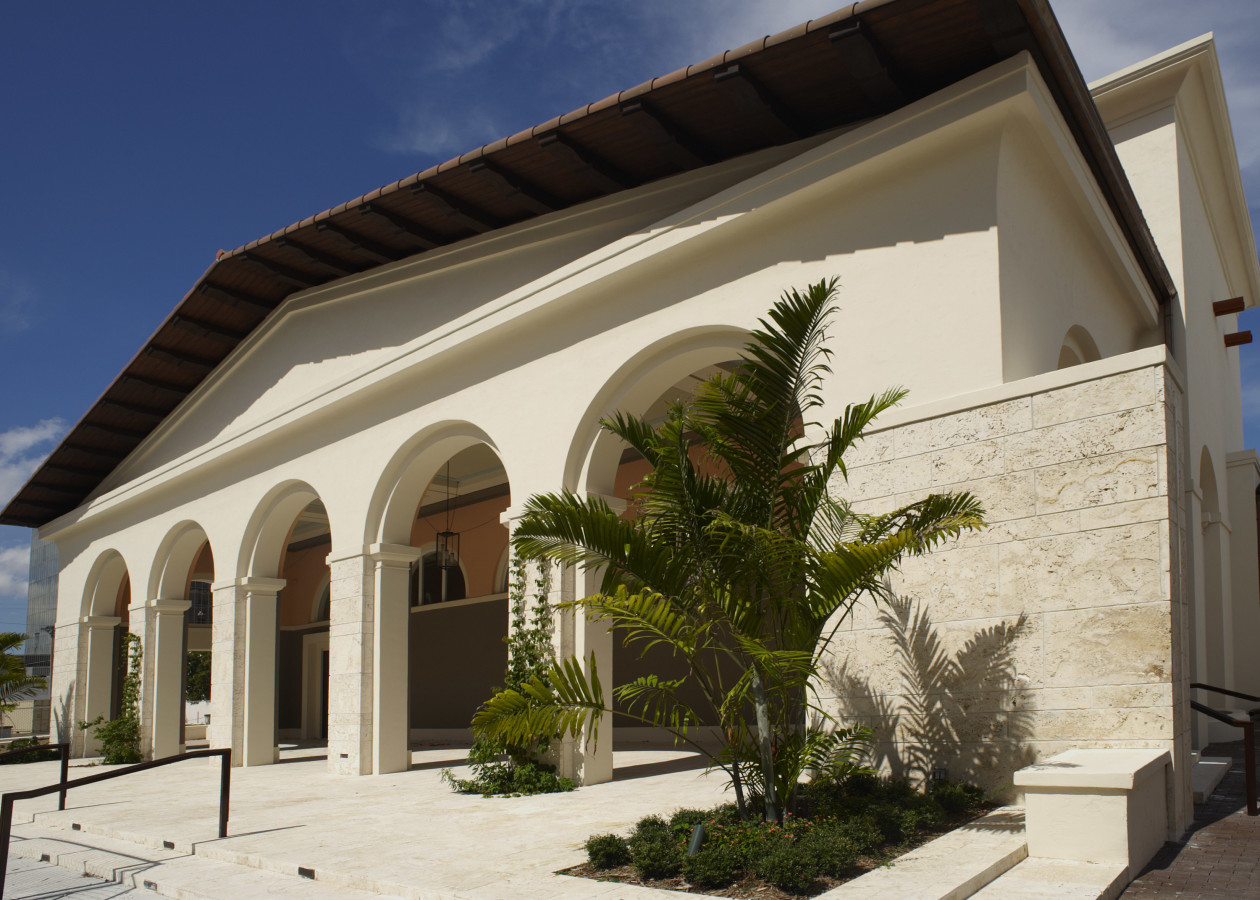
381 667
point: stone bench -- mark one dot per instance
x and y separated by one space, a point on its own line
1098 806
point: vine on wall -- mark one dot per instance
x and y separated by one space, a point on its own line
500 768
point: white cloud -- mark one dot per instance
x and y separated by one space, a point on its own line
14 563
442 133
1106 37
22 449
17 301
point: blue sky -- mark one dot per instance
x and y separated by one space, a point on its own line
139 138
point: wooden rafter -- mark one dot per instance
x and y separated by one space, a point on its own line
455 208
417 232
603 175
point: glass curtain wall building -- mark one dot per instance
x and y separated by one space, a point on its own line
41 615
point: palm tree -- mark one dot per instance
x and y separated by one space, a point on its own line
15 684
739 559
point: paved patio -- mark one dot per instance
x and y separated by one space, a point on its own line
1219 856
405 834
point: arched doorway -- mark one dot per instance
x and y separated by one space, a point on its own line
644 388
104 619
438 544
458 595
285 570
180 617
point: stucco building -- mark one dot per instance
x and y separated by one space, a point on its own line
1051 269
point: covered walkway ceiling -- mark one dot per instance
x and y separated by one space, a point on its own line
862 61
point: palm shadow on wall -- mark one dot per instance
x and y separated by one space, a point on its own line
959 710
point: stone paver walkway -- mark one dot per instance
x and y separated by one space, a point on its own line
406 834
1219 856
29 879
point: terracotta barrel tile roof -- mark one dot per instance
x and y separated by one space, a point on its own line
861 61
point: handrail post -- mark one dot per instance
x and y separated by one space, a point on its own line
65 774
6 825
225 787
1249 748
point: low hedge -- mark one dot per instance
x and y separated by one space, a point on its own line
861 817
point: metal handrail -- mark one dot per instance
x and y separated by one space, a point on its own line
7 800
1249 747
1225 691
64 752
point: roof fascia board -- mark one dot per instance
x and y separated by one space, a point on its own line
979 94
1167 79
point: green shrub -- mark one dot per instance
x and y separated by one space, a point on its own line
862 832
832 851
650 825
684 821
39 751
716 865
607 851
955 798
509 779
789 866
655 853
895 823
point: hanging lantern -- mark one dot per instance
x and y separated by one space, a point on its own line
448 549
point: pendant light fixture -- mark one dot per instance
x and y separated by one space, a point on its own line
447 540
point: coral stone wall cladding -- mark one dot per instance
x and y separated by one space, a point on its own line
1058 626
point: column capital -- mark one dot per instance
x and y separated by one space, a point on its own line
100 621
170 606
396 554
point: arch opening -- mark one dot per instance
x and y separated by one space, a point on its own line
1078 347
105 619
614 471
457 599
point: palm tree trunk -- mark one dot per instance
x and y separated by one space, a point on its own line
762 707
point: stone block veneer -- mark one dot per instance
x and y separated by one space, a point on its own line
1060 625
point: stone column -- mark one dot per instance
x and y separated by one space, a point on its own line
592 763
575 635
99 634
350 678
167 695
391 744
258 737
227 669
69 680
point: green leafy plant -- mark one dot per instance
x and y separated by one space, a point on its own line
738 559
198 678
119 738
607 851
502 766
15 684
860 819
38 751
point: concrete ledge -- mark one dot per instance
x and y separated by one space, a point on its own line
1107 807
952 867
1037 879
1206 775
1106 769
